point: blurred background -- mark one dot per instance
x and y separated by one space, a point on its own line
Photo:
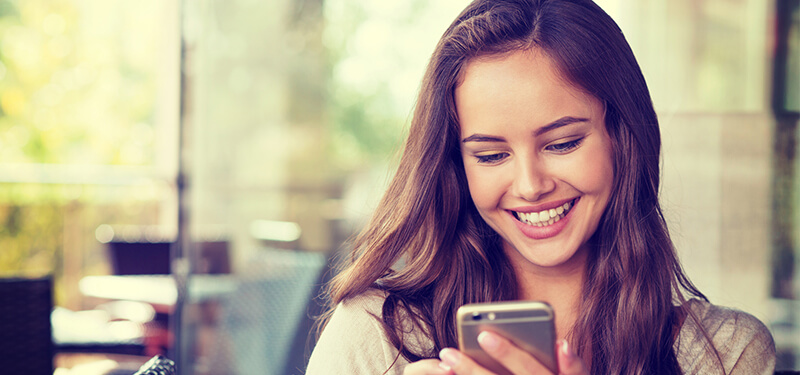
176 175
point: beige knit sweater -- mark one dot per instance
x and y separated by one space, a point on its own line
353 342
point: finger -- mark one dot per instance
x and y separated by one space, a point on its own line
427 367
568 362
509 355
460 364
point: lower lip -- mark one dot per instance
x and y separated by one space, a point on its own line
540 233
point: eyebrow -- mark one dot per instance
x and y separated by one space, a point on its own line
483 138
564 121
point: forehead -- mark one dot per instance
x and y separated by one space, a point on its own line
521 86
535 58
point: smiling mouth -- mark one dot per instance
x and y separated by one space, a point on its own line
546 217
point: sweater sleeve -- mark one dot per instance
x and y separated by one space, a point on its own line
744 344
353 342
756 354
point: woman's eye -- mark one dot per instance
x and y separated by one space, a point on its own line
565 146
491 158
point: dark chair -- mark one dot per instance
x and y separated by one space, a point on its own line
158 365
26 346
214 258
139 258
305 335
153 258
259 321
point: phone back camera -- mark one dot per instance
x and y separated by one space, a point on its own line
476 316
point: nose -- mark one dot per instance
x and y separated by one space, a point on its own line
532 180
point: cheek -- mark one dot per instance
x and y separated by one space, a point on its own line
589 171
597 174
597 179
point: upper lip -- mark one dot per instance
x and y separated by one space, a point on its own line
542 206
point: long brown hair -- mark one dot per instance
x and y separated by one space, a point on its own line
430 251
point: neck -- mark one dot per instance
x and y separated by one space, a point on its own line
560 286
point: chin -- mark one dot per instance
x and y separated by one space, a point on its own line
543 256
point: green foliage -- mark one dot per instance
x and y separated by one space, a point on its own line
7 9
378 52
77 86
31 238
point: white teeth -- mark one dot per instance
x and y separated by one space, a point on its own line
546 217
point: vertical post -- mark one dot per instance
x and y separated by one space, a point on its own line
180 250
785 151
786 109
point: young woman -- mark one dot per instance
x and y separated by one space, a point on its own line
530 172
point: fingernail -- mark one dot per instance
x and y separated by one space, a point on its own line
565 349
449 357
488 341
444 366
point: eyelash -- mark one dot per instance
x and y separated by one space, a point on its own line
492 158
561 148
565 147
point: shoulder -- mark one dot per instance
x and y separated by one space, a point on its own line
743 342
354 341
362 306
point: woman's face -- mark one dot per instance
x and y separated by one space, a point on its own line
537 157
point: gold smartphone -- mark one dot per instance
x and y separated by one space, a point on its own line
530 325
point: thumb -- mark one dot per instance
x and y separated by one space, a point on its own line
568 362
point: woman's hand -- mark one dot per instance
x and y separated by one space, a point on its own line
513 358
427 367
